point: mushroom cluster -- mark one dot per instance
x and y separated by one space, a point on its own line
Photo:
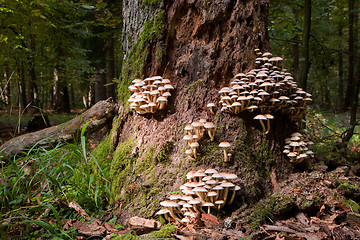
195 132
205 190
296 148
150 94
267 88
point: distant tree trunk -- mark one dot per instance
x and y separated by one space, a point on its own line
61 93
350 80
100 89
111 67
33 97
22 86
340 72
296 55
305 60
7 79
54 89
72 96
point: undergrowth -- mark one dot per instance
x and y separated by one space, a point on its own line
37 187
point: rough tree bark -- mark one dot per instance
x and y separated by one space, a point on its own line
205 44
99 114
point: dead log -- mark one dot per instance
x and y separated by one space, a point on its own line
99 115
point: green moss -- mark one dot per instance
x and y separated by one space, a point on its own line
349 188
355 207
121 166
151 2
268 209
134 66
165 232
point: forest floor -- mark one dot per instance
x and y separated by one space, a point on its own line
321 202
12 124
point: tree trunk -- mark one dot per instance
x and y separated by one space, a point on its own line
7 79
111 67
305 59
340 72
100 76
21 87
100 89
350 80
206 43
33 96
99 115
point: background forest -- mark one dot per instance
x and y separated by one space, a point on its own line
62 57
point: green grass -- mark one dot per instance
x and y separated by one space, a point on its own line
37 187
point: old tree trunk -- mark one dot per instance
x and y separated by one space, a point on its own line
199 46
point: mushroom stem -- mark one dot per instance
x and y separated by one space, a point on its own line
232 196
211 133
167 217
263 126
225 155
173 215
268 126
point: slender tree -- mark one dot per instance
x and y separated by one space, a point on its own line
305 58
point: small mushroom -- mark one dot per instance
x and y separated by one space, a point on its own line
164 211
194 146
225 146
261 118
211 107
208 205
210 127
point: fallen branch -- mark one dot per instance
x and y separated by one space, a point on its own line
99 115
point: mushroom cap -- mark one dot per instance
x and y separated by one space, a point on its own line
202 120
207 178
211 171
197 124
194 144
188 152
210 105
292 154
166 94
168 87
224 145
209 125
162 211
165 81
227 184
212 194
218 187
260 117
269 116
217 175
188 127
194 201
161 99
191 184
188 137
219 202
230 176
200 189
169 203
175 197
208 204
297 134
211 182
199 174
185 220
186 197
188 192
